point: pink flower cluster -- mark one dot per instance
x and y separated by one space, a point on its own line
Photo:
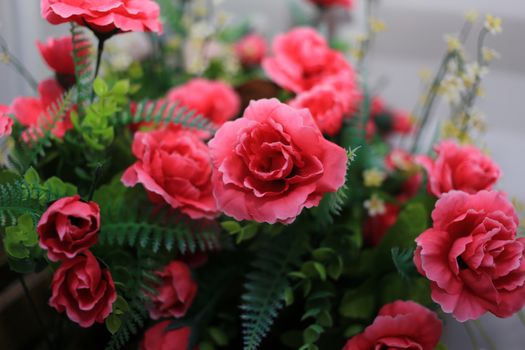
471 254
325 82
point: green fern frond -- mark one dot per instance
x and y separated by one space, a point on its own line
132 321
265 289
333 203
165 112
39 137
19 197
83 66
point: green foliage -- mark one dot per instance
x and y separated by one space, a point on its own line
83 67
126 223
265 288
114 320
403 260
164 112
242 233
131 321
95 127
318 308
332 203
19 196
39 137
20 239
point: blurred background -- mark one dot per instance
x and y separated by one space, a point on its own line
413 41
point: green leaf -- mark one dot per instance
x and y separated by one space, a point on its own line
21 265
21 238
100 87
357 305
232 227
32 177
312 333
219 337
412 221
113 323
441 346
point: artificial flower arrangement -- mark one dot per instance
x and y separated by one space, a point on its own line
251 198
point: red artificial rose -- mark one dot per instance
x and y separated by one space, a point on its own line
302 59
400 325
174 167
376 226
83 289
33 113
472 257
176 291
328 3
105 16
58 54
326 106
456 167
158 337
6 123
68 227
214 100
251 49
272 163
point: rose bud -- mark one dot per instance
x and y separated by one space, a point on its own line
400 325
83 289
68 227
176 291
158 337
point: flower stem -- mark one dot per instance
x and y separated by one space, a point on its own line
94 183
486 337
17 64
34 309
472 336
521 317
100 50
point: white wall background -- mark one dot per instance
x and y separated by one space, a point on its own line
414 40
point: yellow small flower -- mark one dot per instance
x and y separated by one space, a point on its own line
356 53
377 26
493 24
373 177
453 43
4 58
425 75
471 16
449 130
480 91
489 55
375 205
518 205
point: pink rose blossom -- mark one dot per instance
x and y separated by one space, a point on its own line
328 3
472 257
400 325
105 16
457 167
302 59
176 291
68 227
251 49
272 163
158 337
174 167
6 123
83 289
214 100
326 106
58 54
32 112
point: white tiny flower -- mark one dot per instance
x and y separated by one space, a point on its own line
493 24
375 205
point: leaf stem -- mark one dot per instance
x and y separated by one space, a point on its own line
17 64
486 337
